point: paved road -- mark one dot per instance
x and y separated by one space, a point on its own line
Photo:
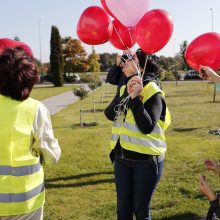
61 101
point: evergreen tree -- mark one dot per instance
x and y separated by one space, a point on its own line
56 57
183 47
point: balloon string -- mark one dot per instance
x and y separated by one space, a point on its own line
137 68
119 36
129 31
145 64
121 109
130 64
175 65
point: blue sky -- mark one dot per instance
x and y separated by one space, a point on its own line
21 18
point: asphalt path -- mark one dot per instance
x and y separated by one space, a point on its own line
57 103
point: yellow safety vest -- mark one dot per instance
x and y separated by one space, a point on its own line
21 173
131 138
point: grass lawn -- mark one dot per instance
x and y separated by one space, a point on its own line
41 93
81 186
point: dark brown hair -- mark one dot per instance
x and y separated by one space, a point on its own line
152 65
18 73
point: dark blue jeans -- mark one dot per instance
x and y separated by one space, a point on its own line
135 181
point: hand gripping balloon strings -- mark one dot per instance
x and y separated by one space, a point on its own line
121 109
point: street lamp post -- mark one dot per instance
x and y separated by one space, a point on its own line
41 63
212 15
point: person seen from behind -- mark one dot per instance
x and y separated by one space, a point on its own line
27 139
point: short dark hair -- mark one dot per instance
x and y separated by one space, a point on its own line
152 65
18 73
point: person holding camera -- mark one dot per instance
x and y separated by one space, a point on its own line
115 75
138 138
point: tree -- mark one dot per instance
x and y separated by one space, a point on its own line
82 94
183 47
93 85
74 55
93 61
16 38
56 57
107 60
166 62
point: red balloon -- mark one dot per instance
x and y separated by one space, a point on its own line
104 5
94 26
154 30
26 48
204 50
6 43
122 37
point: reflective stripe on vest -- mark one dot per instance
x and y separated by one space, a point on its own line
143 142
20 197
131 138
19 171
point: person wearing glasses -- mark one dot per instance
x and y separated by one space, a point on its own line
115 75
138 141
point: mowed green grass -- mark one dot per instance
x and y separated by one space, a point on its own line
81 186
41 93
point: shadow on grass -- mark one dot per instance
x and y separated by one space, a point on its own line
92 111
185 216
51 183
185 129
211 102
189 194
85 125
186 94
103 102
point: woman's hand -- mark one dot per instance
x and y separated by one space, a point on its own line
135 86
209 74
213 166
205 189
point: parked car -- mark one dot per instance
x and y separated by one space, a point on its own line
45 77
192 74
72 77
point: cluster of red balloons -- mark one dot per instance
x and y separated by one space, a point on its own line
204 50
6 43
131 23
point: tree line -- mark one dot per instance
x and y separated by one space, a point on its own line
67 55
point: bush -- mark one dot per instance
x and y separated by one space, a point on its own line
81 92
89 77
168 75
